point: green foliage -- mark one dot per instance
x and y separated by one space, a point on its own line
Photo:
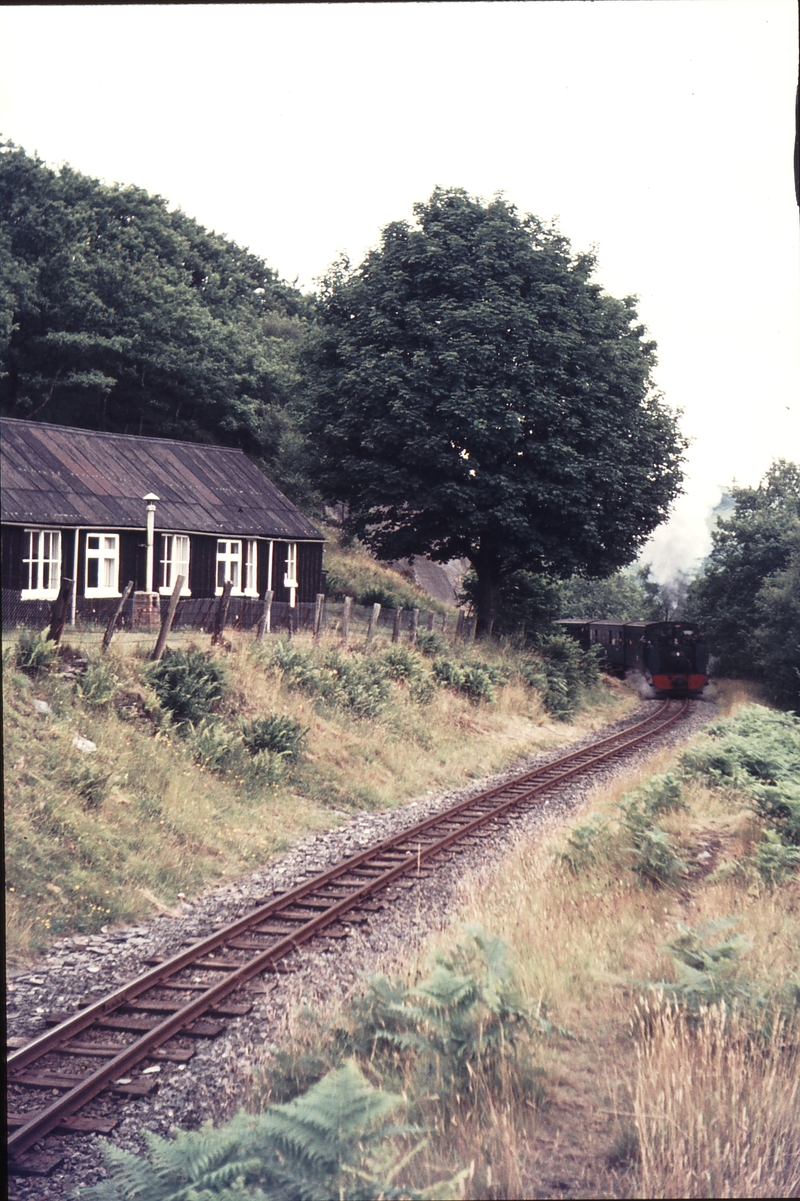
217 747
329 1143
581 851
35 652
98 684
777 637
562 673
430 643
123 315
350 572
745 599
401 663
650 847
707 962
280 733
528 603
90 780
757 752
775 860
466 389
661 794
356 683
473 679
619 597
460 1037
189 683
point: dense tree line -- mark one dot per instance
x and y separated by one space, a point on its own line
747 597
117 313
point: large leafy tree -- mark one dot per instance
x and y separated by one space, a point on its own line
743 597
472 393
117 313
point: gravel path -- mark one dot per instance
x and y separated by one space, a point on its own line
322 975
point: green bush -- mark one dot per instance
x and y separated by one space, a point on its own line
335 1141
707 963
757 752
400 663
188 683
431 643
447 672
477 684
279 733
775 860
580 852
219 748
98 684
35 652
650 847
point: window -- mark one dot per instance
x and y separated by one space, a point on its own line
102 565
290 578
250 567
237 561
229 563
174 562
41 576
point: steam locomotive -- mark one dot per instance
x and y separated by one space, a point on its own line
671 655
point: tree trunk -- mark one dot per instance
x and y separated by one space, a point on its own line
488 570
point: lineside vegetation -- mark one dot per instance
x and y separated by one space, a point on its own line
209 763
629 1030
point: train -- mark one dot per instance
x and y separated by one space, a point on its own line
671 655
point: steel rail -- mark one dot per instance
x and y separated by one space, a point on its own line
44 1121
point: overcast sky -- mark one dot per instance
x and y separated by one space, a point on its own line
659 131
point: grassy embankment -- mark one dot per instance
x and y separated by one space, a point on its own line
656 1054
293 739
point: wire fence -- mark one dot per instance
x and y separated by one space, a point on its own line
200 615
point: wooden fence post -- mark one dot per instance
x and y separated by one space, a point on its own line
168 618
444 622
320 609
398 617
373 621
222 612
266 613
59 610
412 638
431 619
460 624
112 625
346 610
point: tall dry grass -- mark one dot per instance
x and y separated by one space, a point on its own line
717 1107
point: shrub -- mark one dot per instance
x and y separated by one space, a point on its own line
334 1141
35 652
775 860
400 663
218 748
652 856
189 683
447 672
707 962
477 684
98 684
662 794
431 643
756 752
581 849
279 733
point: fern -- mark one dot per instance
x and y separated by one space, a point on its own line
331 1142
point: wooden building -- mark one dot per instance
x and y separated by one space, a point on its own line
104 509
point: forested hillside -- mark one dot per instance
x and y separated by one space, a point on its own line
117 313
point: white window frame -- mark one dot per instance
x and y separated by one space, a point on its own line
103 553
250 567
174 561
290 575
39 563
245 562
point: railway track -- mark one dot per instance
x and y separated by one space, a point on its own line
157 1016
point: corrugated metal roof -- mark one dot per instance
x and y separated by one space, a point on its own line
65 476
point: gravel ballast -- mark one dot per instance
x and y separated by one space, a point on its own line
79 969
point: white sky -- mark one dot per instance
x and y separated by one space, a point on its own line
659 130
